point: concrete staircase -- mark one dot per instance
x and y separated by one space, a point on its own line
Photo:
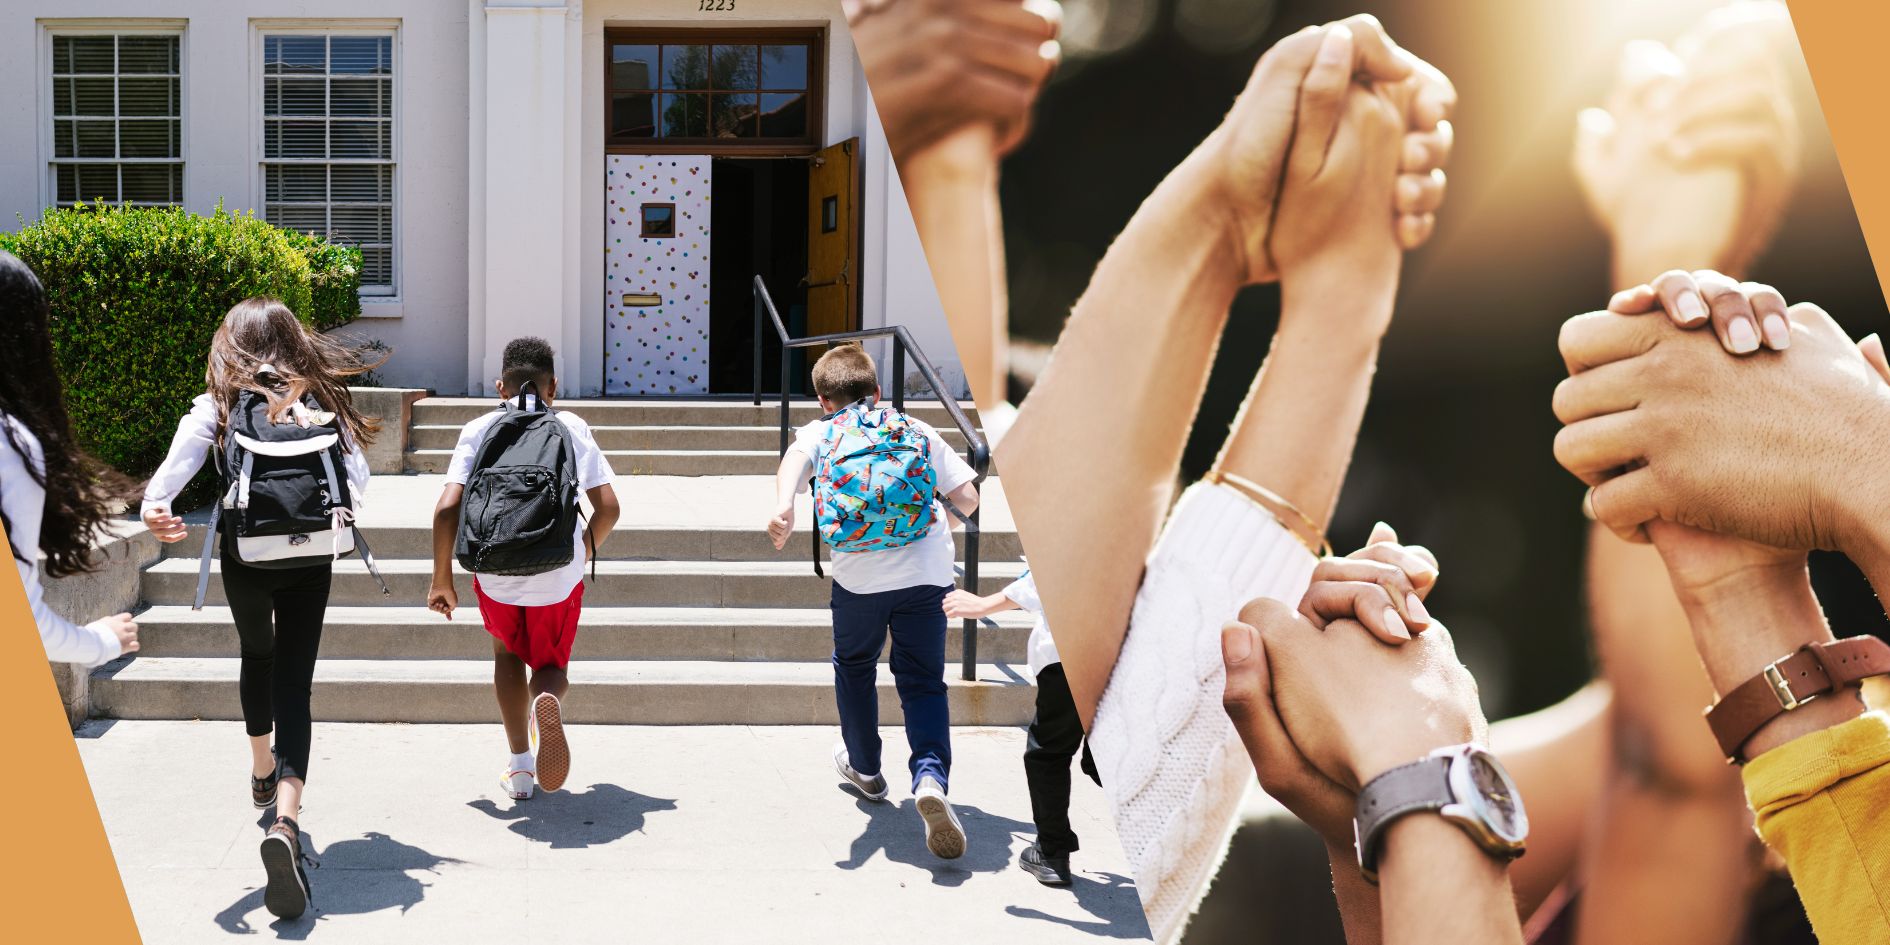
694 618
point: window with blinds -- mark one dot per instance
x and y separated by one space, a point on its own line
328 143
117 119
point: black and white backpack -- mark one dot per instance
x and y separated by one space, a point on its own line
286 501
521 504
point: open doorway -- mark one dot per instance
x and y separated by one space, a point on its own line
759 218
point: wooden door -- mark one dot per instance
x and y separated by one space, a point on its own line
833 235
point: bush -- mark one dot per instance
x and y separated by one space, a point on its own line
334 280
136 296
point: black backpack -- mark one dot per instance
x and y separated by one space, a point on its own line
521 504
286 501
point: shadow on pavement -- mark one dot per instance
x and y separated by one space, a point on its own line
351 877
1110 897
603 813
898 831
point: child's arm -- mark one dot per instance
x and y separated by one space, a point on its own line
196 434
604 514
962 604
796 466
964 498
441 597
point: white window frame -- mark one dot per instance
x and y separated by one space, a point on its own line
48 159
375 303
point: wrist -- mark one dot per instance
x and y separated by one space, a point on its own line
1343 301
1371 762
1744 626
1198 204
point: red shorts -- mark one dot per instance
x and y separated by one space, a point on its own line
541 636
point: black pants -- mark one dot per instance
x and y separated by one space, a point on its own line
1056 735
278 616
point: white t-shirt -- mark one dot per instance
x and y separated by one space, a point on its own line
923 563
551 587
1042 646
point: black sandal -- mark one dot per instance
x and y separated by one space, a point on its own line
286 896
262 791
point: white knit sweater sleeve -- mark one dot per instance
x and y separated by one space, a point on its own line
1172 765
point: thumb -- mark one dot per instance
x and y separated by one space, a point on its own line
1248 697
1321 102
1872 349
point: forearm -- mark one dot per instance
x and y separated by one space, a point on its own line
1712 200
788 479
1358 899
1743 625
1297 428
1128 373
952 189
445 530
1438 887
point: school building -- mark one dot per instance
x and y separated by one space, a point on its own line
608 174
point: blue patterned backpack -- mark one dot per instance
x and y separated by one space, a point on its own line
873 480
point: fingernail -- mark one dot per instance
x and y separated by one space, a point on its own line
1777 333
1692 308
1235 645
1415 608
1744 339
1395 624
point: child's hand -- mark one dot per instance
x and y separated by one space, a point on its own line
964 605
442 599
1336 213
125 629
166 527
781 526
1381 585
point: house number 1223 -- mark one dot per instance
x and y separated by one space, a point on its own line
716 6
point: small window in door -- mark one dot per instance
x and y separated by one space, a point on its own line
659 221
829 213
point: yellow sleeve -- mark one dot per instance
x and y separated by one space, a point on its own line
1823 802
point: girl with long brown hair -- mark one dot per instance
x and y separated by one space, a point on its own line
263 353
53 498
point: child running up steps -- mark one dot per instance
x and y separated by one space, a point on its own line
879 475
511 496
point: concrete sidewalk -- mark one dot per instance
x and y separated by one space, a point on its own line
663 834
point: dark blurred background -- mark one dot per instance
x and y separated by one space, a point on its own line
1455 449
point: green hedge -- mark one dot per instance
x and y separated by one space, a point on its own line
334 280
136 296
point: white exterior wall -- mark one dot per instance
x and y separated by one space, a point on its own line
499 141
222 139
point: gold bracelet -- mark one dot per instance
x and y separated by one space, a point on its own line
1267 500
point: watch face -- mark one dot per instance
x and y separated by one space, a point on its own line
1495 799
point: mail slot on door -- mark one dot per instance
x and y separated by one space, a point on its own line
641 299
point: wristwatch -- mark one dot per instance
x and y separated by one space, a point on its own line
1463 783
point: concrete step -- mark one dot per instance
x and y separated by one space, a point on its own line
618 584
661 438
454 411
737 634
660 692
641 543
643 462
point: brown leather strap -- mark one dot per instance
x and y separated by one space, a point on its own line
1813 670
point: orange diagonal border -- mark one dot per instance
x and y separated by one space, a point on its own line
61 882
1842 40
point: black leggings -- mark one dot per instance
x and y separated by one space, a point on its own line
278 616
1055 737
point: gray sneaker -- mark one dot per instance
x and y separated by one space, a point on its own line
872 788
944 836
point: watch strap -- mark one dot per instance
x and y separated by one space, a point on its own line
1813 670
1422 785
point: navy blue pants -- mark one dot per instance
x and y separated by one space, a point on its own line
916 621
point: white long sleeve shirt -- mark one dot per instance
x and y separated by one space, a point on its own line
197 433
1041 647
23 500
1172 764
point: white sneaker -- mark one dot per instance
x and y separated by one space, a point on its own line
944 836
518 783
872 788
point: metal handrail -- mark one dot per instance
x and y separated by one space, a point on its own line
977 451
